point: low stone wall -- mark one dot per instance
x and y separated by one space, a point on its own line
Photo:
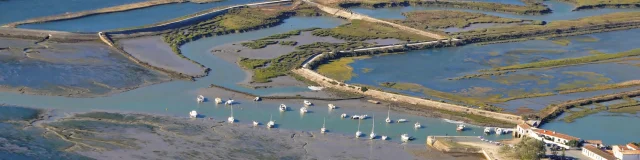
56 36
328 82
352 15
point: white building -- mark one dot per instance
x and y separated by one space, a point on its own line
626 152
553 137
596 153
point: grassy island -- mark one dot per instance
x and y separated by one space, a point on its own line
587 25
591 4
359 30
532 8
237 20
440 19
570 61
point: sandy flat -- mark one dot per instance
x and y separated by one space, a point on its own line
154 51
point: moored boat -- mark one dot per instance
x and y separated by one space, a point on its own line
417 125
193 114
388 120
283 108
343 115
200 99
402 120
405 137
373 125
323 129
358 133
218 100
231 119
256 123
271 122
460 127
499 131
303 110
487 130
307 103
384 138
331 106
257 99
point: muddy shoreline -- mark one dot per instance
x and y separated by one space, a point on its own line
158 136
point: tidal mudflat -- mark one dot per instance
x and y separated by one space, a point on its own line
105 135
156 52
69 69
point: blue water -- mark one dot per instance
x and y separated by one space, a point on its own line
514 2
132 18
18 10
177 98
561 11
432 68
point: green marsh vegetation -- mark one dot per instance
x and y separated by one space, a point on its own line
273 39
265 69
288 43
532 8
258 44
339 69
593 24
359 30
570 61
441 19
562 41
590 4
234 21
588 79
628 105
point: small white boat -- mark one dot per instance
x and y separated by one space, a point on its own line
384 138
388 120
200 98
303 110
358 133
229 102
331 106
364 116
218 100
417 125
193 114
343 115
256 123
405 137
271 122
307 103
323 129
315 88
373 125
257 99
355 117
499 131
487 130
460 127
231 119
402 120
283 107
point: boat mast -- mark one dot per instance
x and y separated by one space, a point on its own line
359 120
324 121
388 112
373 123
231 110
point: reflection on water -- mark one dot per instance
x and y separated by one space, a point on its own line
561 11
132 18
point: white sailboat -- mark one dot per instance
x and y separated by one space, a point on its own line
307 103
271 122
402 120
231 119
303 110
358 133
388 120
257 99
200 99
373 125
193 114
323 129
384 137
283 108
218 100
405 137
487 130
364 116
343 115
499 131
256 123
229 102
417 125
331 106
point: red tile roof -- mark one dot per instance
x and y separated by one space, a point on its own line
599 152
524 126
631 152
555 134
594 141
